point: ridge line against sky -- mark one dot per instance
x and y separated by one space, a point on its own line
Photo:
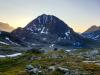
78 14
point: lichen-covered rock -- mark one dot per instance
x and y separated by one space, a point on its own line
33 70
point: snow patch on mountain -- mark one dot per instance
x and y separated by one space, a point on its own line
44 39
11 55
30 29
68 34
39 29
95 38
11 41
52 45
39 19
43 30
4 43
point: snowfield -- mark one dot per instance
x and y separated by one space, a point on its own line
11 55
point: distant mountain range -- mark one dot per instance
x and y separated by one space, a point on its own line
92 28
5 27
7 39
49 31
93 33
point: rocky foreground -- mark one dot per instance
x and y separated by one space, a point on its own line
58 62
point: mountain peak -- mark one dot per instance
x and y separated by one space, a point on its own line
49 22
92 29
93 33
48 29
44 18
5 27
45 15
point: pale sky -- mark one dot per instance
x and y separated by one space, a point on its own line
78 14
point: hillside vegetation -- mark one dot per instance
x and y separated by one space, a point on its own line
73 62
